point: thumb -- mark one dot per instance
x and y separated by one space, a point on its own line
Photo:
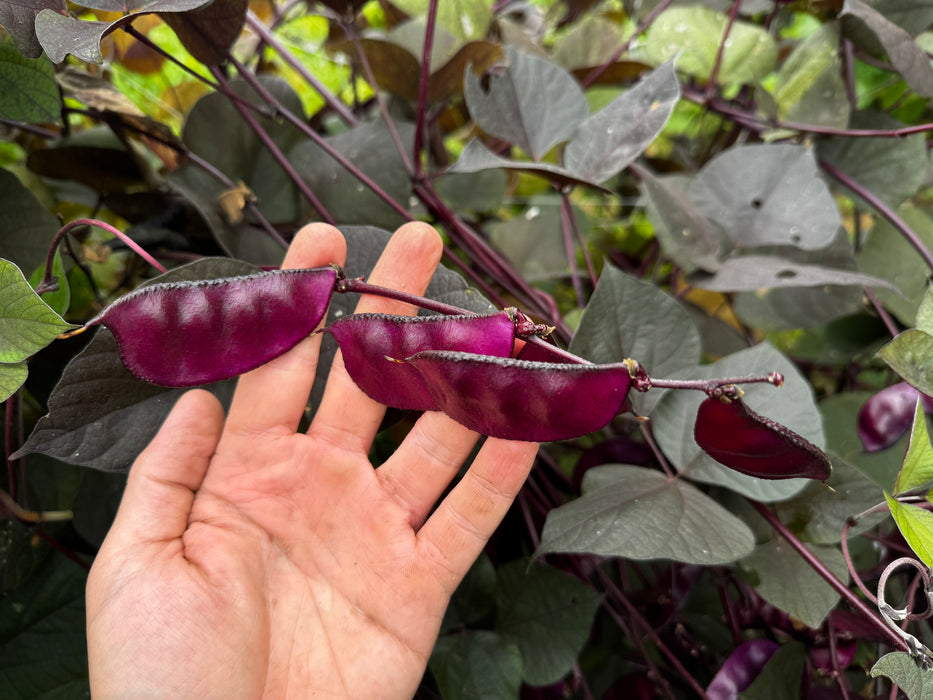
163 480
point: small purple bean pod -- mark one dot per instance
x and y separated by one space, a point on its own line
191 333
522 400
372 343
887 415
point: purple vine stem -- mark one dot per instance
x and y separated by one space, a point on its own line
48 284
430 24
269 38
721 49
828 575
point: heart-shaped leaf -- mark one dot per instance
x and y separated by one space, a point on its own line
27 324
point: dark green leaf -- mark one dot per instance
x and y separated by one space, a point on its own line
768 195
590 42
809 87
908 58
617 134
209 32
476 665
909 355
28 227
791 405
686 235
916 525
534 104
19 20
28 91
27 324
474 598
534 242
742 273
917 469
472 192
100 415
818 514
21 553
628 317
43 652
548 614
890 168
639 513
904 672
693 34
886 253
786 581
780 678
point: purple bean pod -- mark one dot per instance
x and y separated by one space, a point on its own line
887 415
191 333
741 668
523 400
372 343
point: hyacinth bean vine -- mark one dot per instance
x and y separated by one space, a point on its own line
715 189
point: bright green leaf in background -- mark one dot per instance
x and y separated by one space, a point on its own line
917 469
28 91
27 324
640 513
909 354
913 681
465 19
916 525
694 33
548 614
786 581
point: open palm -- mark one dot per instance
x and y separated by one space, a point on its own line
249 560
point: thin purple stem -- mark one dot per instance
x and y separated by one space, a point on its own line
848 62
32 129
656 449
274 150
848 558
721 49
708 385
329 98
883 209
590 268
647 22
827 575
351 284
146 41
566 230
881 311
48 285
430 24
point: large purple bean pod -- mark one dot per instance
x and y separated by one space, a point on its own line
191 333
373 346
522 400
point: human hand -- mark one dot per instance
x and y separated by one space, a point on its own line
249 560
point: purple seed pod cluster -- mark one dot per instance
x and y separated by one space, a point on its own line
191 333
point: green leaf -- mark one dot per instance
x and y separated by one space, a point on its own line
744 273
908 58
19 20
28 91
925 312
465 19
639 513
791 405
904 672
27 324
916 525
475 665
910 354
60 299
694 34
474 598
768 194
917 469
780 678
12 377
886 253
548 614
818 514
535 104
208 33
809 87
617 134
534 242
892 169
28 227
628 317
786 581
43 652
685 234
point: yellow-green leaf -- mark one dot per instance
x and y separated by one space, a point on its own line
916 525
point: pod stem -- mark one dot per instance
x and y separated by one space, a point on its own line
357 284
50 284
713 387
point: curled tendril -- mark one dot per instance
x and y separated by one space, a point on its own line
921 655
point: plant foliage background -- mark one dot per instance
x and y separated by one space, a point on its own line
714 188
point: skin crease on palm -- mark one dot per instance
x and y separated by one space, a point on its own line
248 560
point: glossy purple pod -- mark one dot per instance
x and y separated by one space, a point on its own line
373 346
741 668
191 333
522 400
734 435
887 415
